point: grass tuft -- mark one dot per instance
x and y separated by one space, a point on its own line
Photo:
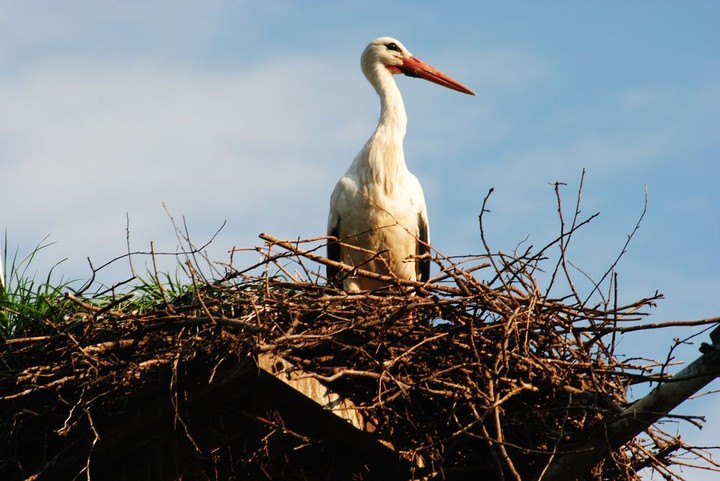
28 305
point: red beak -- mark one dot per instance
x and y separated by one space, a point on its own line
414 67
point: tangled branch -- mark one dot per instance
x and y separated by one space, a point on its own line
480 370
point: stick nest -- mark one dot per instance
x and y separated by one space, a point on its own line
478 372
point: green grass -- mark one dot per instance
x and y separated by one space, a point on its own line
32 304
158 288
28 303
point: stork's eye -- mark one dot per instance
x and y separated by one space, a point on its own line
393 46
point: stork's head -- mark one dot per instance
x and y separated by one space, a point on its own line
389 53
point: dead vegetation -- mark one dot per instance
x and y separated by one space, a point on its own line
481 372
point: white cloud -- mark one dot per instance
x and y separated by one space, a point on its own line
84 146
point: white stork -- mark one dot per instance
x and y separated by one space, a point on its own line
377 210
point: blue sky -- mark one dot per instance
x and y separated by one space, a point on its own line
249 111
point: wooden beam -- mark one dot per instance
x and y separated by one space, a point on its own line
312 388
308 405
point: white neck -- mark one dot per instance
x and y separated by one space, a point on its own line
393 118
381 160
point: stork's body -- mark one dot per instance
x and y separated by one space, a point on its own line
377 209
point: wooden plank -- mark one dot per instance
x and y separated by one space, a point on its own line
314 389
312 408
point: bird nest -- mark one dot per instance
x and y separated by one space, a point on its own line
479 372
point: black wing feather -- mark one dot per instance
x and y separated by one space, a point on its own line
333 253
423 249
